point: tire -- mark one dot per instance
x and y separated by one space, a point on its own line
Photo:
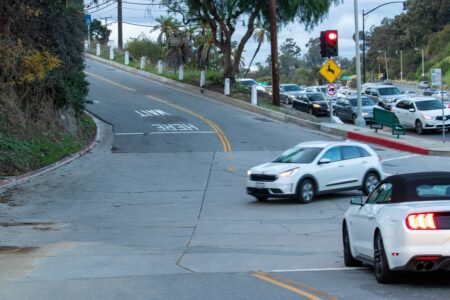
419 127
261 198
349 260
305 191
353 118
383 274
370 181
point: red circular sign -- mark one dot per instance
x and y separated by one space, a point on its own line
331 89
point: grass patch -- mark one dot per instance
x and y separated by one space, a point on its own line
42 148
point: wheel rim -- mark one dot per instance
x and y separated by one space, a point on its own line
378 256
307 191
371 182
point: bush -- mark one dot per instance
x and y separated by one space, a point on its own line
143 46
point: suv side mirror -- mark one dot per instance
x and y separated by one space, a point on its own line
324 161
357 200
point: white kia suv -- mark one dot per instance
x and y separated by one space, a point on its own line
314 168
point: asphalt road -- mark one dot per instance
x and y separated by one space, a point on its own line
158 210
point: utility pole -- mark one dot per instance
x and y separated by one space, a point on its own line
119 23
106 25
274 52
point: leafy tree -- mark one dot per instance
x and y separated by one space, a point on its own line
167 26
142 46
223 16
290 57
99 33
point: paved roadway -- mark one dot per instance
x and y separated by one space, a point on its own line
158 210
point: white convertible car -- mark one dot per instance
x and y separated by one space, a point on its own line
404 225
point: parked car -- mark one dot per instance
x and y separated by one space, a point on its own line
424 85
248 83
288 92
316 89
347 108
312 103
384 95
439 94
422 113
429 91
403 225
313 168
345 90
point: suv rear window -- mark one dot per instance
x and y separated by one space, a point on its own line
389 91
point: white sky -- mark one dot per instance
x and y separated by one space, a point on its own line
340 17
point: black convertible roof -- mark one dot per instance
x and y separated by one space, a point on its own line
404 185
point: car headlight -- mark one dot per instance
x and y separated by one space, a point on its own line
427 117
316 105
249 172
289 172
365 114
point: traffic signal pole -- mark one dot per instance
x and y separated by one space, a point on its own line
119 24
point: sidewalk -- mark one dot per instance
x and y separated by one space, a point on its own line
407 142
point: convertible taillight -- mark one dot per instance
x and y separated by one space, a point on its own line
421 221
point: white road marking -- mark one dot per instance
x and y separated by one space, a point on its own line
175 127
151 113
164 132
399 157
319 270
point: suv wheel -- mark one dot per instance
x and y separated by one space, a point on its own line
419 127
305 191
370 181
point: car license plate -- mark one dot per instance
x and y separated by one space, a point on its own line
260 185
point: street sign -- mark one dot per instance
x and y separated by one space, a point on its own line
331 89
330 70
436 77
87 19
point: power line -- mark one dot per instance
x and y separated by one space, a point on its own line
112 3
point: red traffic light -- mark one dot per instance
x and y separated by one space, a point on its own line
332 36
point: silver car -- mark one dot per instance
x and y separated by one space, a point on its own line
384 95
289 92
347 108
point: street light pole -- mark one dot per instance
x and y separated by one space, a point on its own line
360 122
423 65
364 34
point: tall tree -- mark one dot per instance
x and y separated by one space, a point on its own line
167 26
290 57
99 33
260 35
223 16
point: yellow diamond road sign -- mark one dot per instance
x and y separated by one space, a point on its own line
330 70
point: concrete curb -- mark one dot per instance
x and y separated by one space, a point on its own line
210 95
15 180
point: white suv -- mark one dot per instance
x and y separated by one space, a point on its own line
421 113
315 168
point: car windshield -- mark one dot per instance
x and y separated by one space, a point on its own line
365 102
429 105
323 89
316 97
298 155
291 88
389 91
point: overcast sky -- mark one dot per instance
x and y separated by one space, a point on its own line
340 17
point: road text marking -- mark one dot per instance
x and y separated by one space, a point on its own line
151 113
225 143
175 127
164 132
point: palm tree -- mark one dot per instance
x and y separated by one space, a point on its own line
260 35
167 27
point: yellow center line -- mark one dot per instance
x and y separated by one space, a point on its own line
226 144
291 286
110 81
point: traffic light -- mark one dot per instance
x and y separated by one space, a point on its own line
329 43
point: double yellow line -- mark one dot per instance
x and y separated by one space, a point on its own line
299 289
226 144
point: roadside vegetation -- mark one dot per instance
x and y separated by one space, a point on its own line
42 84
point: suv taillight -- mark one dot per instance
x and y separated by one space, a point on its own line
421 221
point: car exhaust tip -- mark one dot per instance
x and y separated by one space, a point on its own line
419 266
